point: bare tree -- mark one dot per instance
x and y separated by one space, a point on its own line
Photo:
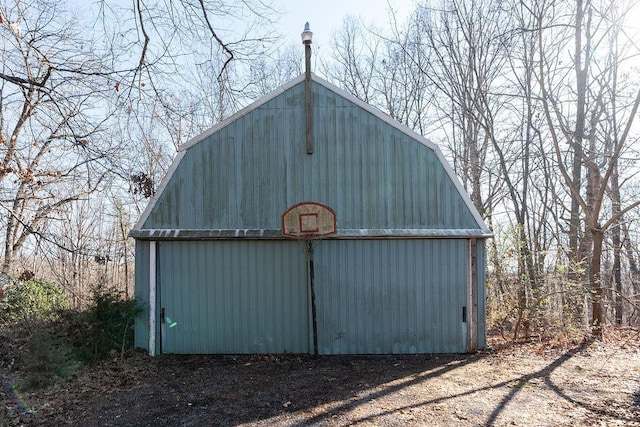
95 96
535 102
355 59
587 147
269 72
53 150
401 81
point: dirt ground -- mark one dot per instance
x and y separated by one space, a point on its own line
593 383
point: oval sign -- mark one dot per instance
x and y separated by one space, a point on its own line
308 220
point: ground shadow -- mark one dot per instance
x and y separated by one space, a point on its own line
232 390
544 374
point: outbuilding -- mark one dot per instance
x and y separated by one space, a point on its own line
310 222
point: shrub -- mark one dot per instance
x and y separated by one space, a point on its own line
107 325
47 359
47 347
32 300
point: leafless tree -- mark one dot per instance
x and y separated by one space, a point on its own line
535 102
355 59
578 93
53 150
96 97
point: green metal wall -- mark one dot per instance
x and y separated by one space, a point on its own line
142 294
482 294
233 297
251 296
372 297
391 296
374 176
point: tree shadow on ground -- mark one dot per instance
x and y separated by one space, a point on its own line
291 389
232 390
543 374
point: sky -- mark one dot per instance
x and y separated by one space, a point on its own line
328 15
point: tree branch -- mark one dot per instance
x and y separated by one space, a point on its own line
217 39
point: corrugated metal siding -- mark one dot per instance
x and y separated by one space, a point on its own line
482 295
234 297
373 296
391 296
141 326
373 175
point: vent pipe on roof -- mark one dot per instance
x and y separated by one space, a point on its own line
307 35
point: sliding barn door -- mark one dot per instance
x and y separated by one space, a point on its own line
391 296
231 297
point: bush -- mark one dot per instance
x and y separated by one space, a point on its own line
32 300
50 347
47 359
107 326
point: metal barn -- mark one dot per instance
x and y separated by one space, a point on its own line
403 270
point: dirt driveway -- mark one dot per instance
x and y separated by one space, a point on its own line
588 384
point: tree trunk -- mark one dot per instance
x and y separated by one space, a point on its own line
597 318
582 72
7 262
616 240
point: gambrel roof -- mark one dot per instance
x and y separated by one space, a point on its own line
382 179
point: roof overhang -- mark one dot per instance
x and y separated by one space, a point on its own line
276 234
